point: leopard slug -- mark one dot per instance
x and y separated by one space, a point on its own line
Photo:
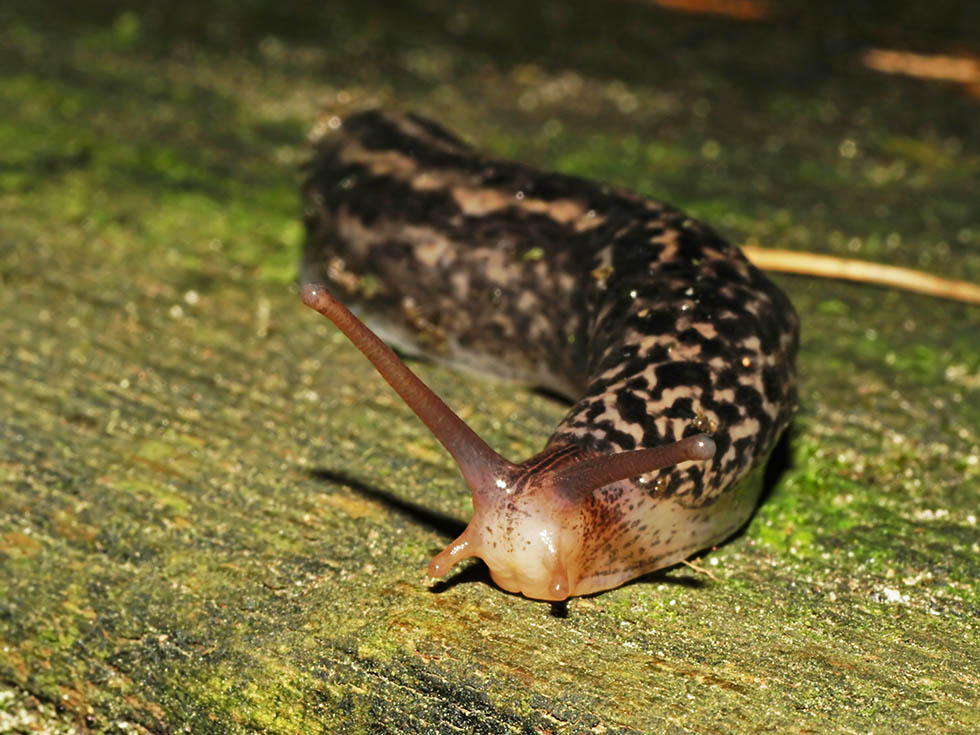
677 353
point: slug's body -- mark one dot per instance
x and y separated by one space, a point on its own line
661 332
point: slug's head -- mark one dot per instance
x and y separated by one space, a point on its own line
532 522
529 519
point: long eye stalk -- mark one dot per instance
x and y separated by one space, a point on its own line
476 459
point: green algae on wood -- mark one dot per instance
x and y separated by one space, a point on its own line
211 516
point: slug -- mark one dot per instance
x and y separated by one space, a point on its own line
676 352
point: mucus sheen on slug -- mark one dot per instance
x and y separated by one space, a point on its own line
656 328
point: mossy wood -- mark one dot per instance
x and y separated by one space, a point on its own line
214 516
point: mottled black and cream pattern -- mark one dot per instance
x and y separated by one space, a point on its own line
655 326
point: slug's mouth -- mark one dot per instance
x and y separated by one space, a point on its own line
521 551
555 589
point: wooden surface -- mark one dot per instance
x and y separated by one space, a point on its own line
213 516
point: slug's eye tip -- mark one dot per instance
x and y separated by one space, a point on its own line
311 293
703 447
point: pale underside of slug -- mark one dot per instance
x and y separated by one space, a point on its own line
653 325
